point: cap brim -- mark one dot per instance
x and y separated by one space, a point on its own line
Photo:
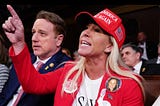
84 18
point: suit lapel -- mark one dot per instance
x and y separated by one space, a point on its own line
143 68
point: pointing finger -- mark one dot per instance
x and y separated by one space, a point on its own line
12 11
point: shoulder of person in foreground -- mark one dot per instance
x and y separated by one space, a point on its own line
132 93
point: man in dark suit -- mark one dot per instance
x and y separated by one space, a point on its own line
149 48
154 64
157 59
131 55
48 34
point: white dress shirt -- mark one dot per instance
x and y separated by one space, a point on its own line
143 46
158 60
157 101
137 67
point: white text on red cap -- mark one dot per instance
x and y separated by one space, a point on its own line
105 13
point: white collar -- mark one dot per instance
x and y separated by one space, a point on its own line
43 61
137 67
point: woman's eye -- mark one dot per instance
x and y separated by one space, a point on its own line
86 27
97 30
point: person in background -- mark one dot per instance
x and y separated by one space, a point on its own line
131 56
48 33
157 59
66 51
4 68
76 56
154 64
82 83
157 101
148 47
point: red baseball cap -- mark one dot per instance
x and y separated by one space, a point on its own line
107 20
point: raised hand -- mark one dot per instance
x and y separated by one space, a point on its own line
14 30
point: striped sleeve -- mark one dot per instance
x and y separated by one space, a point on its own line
4 74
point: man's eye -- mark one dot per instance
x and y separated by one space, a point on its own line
42 33
33 32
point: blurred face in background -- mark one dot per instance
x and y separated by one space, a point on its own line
158 49
130 56
141 37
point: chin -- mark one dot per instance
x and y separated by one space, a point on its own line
36 53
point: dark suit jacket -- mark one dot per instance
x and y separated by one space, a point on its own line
143 69
152 61
151 48
13 84
150 68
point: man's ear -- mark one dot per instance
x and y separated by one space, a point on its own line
108 48
59 39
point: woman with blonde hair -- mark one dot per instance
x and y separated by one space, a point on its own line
83 82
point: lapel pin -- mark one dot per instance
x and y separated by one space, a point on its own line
51 65
46 68
110 96
143 69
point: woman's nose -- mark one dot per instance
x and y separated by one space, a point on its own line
86 33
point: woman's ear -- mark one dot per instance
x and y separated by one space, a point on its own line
108 48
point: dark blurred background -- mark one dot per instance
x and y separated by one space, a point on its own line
135 17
